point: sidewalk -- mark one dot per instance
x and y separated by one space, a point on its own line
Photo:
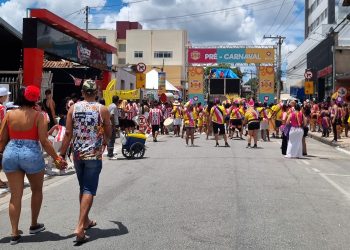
342 143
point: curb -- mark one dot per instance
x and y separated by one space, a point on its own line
327 142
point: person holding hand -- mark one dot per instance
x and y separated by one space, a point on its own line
22 132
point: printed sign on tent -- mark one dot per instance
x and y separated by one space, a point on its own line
195 80
266 79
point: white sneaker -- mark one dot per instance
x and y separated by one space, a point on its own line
114 157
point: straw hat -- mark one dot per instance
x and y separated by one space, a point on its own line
176 103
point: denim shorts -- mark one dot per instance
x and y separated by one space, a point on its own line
88 173
23 155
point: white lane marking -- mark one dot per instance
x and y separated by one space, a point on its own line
316 170
308 170
305 162
46 188
335 185
340 175
343 150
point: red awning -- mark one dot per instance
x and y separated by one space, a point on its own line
70 29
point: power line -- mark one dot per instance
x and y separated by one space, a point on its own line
200 16
284 20
274 21
208 12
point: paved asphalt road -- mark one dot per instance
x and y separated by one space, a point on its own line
203 197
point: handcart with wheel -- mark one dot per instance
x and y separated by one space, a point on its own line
133 145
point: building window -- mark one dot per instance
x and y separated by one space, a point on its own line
122 85
121 61
102 38
131 85
163 54
122 47
138 54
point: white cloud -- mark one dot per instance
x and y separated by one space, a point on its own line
13 11
238 22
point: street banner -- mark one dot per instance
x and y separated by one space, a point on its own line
197 98
150 94
266 98
231 55
260 55
266 79
123 95
161 82
202 55
195 80
246 55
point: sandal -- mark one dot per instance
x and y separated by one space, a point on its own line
81 240
92 224
15 239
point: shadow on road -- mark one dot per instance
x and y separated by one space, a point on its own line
40 237
97 233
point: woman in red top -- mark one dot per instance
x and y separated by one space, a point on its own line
21 132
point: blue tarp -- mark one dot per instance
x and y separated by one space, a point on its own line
224 73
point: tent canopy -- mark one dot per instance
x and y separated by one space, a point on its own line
152 82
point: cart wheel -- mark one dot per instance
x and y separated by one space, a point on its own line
126 153
137 150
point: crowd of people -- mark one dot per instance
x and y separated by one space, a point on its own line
87 127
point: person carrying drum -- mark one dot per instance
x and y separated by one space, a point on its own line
177 112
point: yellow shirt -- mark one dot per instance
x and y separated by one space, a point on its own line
235 114
261 112
251 115
218 114
200 119
188 118
278 111
177 112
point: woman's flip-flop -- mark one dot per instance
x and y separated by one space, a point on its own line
92 223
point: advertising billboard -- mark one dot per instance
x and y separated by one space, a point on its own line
202 55
232 55
266 79
195 80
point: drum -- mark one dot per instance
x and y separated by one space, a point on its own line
169 124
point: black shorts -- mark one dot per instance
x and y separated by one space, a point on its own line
129 123
253 125
155 128
122 123
217 127
236 122
278 123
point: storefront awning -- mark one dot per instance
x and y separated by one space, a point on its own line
66 27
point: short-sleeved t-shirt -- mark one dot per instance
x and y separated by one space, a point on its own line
218 114
113 110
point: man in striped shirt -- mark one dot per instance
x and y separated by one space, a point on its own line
155 116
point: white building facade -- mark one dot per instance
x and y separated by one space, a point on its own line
159 49
320 17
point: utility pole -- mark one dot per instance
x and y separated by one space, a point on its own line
86 18
279 63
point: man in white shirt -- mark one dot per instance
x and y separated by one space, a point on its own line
114 113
